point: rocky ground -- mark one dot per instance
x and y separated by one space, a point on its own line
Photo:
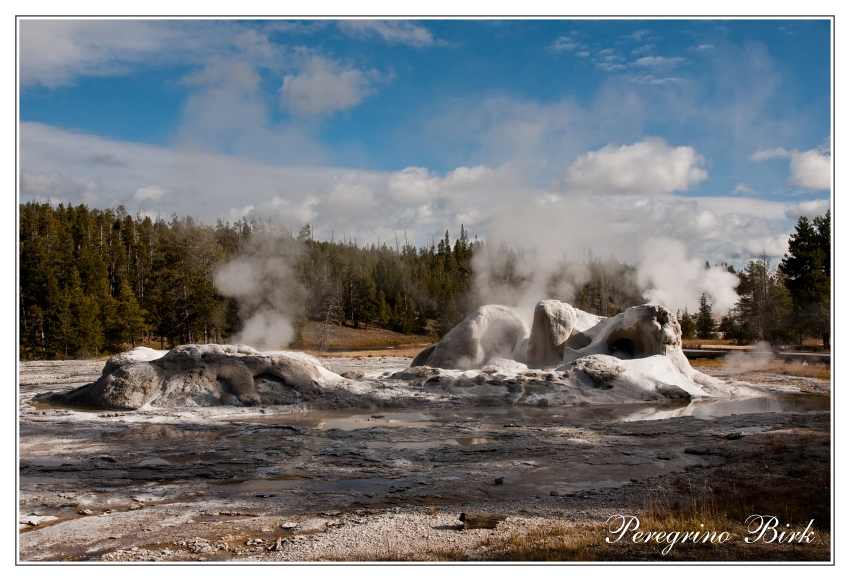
374 484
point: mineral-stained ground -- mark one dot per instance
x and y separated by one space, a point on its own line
252 483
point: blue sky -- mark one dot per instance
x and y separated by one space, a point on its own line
715 134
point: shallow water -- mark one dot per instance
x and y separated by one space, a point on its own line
259 485
429 444
529 415
708 410
364 485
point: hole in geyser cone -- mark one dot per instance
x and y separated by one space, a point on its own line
270 381
625 345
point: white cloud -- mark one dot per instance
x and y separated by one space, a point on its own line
809 169
565 44
608 60
764 154
660 61
742 189
645 49
653 80
392 31
324 86
43 185
809 208
493 202
649 166
57 52
638 34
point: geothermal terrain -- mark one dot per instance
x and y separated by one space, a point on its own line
174 457
205 484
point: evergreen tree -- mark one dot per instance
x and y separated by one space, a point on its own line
763 309
704 321
686 322
807 270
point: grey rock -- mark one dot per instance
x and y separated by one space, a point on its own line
200 375
491 332
551 327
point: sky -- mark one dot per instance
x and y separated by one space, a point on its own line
704 139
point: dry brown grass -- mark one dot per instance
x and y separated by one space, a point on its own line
792 368
410 351
694 343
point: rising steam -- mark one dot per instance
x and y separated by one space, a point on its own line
264 281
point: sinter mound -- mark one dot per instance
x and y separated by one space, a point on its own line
201 375
568 358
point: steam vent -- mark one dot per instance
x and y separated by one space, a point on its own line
568 357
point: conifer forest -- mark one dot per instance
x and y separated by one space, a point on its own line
95 282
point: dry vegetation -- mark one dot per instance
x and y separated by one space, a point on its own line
792 368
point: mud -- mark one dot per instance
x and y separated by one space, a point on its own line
207 483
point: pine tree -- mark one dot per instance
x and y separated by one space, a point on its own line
807 270
686 322
705 321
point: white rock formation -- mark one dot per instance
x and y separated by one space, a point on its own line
202 375
553 323
491 332
637 353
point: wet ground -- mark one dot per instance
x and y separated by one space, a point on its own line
225 483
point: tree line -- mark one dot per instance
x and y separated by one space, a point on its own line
785 302
102 281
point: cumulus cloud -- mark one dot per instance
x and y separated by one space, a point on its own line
324 86
809 169
649 166
391 31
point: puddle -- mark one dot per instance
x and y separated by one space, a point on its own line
43 406
709 410
753 429
610 483
162 431
192 458
54 462
153 462
261 485
329 420
364 485
35 480
429 444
